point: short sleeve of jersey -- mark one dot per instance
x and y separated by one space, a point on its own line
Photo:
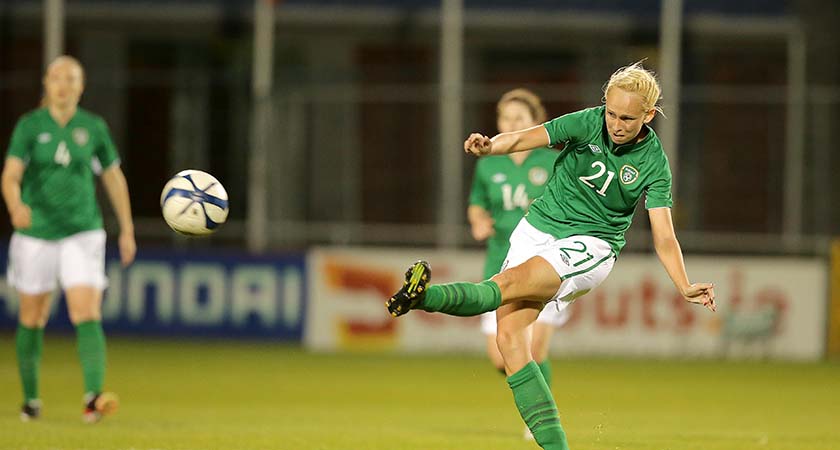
478 192
106 151
658 193
20 145
572 127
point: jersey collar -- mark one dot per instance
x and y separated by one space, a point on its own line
55 123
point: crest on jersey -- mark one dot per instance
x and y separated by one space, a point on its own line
80 136
499 178
595 149
43 138
537 176
629 174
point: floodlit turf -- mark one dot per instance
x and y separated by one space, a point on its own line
220 395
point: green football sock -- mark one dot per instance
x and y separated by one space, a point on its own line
462 299
90 340
29 342
545 369
537 408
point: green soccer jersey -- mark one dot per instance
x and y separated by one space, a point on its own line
58 183
596 183
505 190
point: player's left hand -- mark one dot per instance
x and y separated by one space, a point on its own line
702 294
128 248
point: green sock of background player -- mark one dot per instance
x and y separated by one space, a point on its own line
462 299
545 370
29 342
90 341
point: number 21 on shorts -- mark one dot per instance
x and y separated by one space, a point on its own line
581 255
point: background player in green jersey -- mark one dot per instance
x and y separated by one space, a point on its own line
502 190
567 243
48 186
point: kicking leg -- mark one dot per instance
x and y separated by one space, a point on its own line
534 279
456 299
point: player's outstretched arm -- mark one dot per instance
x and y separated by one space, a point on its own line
117 188
504 143
670 255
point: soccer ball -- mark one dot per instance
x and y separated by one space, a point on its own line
194 203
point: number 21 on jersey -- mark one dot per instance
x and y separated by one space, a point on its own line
587 180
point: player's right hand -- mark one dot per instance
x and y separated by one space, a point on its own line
483 229
21 217
478 144
128 248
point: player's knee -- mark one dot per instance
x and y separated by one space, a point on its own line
30 319
31 316
506 280
509 341
84 314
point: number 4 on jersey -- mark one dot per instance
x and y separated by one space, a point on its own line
62 155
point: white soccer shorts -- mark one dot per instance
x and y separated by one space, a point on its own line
77 260
583 262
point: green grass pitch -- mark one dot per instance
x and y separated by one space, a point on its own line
221 395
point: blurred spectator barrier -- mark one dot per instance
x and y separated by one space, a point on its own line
767 307
167 293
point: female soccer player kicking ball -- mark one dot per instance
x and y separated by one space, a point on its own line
48 187
568 242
